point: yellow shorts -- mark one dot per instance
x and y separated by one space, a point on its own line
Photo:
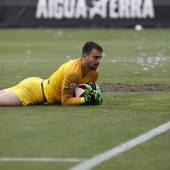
29 91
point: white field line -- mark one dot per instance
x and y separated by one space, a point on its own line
51 61
40 160
98 159
62 60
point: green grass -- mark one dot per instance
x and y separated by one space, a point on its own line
85 131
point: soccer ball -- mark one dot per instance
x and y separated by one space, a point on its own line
80 89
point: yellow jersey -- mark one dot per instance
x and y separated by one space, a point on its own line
60 87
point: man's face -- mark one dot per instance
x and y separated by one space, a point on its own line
93 59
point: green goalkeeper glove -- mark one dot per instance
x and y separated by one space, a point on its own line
92 95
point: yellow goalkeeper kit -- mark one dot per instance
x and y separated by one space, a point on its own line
59 88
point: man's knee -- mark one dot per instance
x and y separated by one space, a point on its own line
9 99
2 91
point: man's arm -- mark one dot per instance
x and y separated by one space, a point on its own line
69 84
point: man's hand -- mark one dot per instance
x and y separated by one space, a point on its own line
92 95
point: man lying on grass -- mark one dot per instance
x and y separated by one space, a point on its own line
60 87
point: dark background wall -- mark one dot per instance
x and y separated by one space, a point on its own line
84 13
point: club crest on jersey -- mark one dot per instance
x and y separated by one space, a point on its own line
72 85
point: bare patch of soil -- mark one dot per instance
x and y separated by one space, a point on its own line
110 87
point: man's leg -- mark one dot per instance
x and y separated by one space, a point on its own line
9 99
2 91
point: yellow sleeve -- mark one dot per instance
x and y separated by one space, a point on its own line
70 82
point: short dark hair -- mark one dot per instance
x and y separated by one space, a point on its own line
88 46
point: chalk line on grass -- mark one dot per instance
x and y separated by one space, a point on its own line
5 159
65 60
87 164
98 159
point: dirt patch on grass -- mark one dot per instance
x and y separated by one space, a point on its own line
110 87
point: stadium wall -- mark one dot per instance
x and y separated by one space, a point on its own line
84 13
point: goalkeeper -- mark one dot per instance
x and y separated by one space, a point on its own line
60 87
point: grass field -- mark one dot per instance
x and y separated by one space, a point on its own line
73 134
